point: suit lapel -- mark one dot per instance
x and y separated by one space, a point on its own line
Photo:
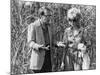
40 34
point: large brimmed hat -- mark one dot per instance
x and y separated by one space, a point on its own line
73 13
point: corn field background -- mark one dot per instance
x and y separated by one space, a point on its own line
22 14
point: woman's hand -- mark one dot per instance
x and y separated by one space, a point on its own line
60 44
81 46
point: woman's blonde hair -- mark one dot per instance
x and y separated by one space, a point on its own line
73 13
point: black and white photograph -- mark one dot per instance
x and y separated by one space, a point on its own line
52 37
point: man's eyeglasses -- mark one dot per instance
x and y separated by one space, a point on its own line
73 20
48 15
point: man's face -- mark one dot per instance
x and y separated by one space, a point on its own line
46 19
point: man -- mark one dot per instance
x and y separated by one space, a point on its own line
39 41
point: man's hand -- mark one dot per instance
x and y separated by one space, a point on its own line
34 45
37 46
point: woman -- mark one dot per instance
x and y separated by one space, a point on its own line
72 38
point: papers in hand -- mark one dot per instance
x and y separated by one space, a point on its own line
60 44
44 48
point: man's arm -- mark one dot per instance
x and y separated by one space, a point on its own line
31 38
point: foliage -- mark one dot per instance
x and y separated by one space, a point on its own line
22 15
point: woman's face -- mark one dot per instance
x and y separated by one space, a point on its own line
74 22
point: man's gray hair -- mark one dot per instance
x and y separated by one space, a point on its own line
44 11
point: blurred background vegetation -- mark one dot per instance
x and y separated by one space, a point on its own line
23 13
